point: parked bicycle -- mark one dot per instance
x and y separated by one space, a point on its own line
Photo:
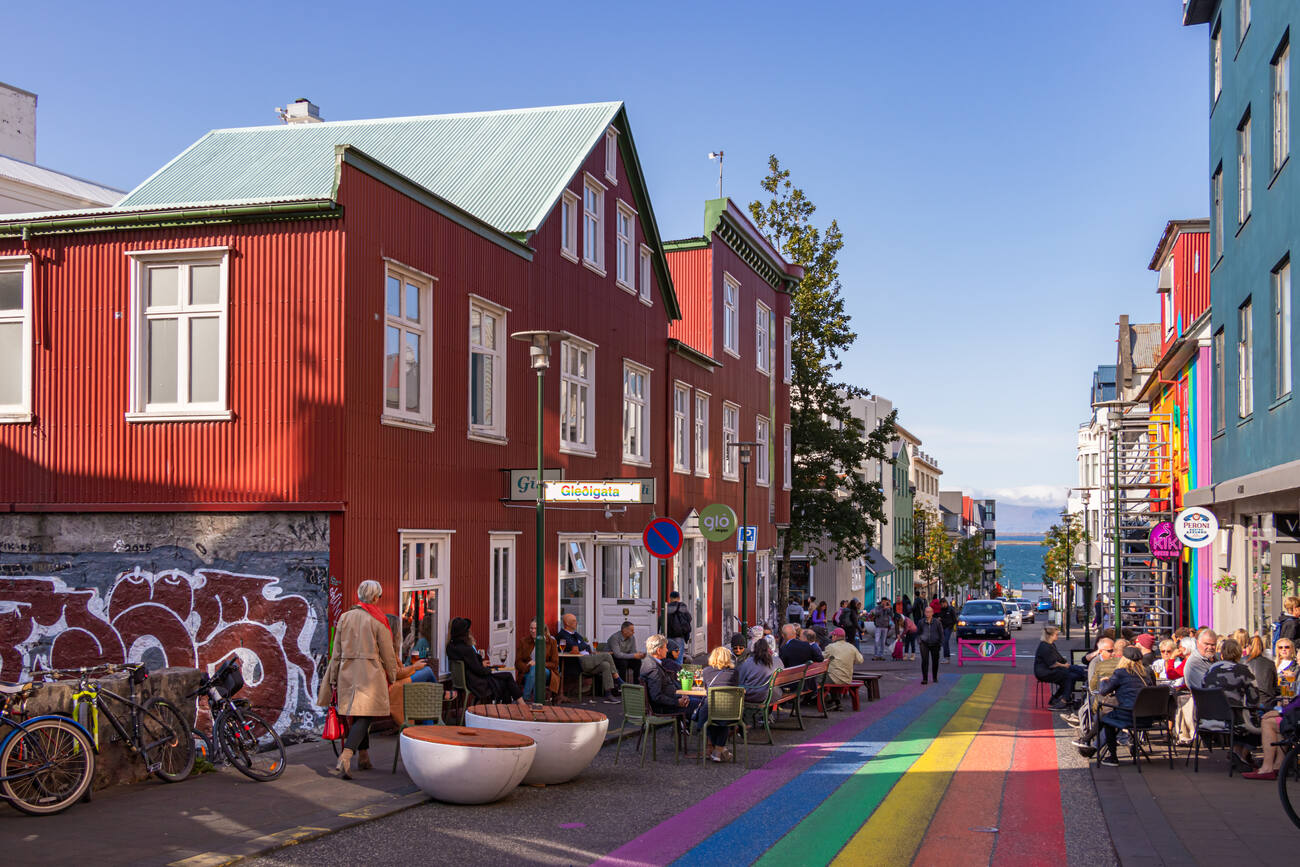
46 762
1288 776
154 730
239 736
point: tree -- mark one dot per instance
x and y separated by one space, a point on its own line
833 507
967 568
928 550
1058 548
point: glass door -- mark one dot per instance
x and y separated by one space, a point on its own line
423 584
502 641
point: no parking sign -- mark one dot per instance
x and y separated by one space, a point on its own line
662 538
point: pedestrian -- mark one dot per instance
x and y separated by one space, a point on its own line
851 622
883 618
362 665
948 620
794 611
930 637
679 619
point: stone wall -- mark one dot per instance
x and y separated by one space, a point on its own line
175 589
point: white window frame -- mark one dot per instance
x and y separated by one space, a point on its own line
611 155
1282 330
1245 187
624 244
788 351
1245 361
1216 198
496 431
424 283
634 406
701 428
1281 75
1216 63
1243 20
593 225
730 436
21 412
762 451
681 427
569 206
762 337
583 389
730 315
645 264
730 571
787 481
139 410
437 574
1220 400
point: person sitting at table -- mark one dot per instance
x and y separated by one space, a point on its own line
485 684
672 661
661 685
524 662
1238 685
591 662
1051 667
1146 641
757 669
795 651
1169 666
1130 677
622 646
840 659
1263 671
1286 701
721 671
739 647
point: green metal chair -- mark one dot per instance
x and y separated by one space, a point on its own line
461 703
420 701
638 716
762 711
726 706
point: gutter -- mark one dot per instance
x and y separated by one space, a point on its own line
170 217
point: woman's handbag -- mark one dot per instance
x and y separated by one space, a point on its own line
333 725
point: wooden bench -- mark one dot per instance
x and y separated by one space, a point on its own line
872 683
814 676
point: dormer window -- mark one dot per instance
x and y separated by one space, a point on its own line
611 155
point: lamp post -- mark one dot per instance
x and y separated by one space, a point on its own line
1087 573
745 448
539 358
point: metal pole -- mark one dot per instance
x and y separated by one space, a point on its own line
539 646
1115 458
744 529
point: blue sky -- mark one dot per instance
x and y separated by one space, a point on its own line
1001 171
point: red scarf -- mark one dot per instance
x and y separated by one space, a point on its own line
375 613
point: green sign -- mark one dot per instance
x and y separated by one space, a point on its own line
717 522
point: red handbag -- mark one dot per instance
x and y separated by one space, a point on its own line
333 725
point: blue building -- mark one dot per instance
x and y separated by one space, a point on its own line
1254 229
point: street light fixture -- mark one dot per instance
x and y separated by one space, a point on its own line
745 448
539 358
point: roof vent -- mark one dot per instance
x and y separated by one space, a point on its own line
300 111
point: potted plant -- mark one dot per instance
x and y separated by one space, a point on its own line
1226 582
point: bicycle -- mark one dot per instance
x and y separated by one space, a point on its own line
239 736
47 762
155 730
1288 776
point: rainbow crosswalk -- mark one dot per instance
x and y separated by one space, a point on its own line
919 777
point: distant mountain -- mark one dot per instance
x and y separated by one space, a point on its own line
1026 520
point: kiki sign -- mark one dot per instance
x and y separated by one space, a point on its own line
1164 542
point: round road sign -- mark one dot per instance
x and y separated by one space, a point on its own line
662 537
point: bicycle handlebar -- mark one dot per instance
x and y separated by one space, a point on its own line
108 667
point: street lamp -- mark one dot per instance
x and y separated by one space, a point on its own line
745 448
539 358
1087 571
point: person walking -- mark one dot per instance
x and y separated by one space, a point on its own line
679 620
948 621
851 622
883 618
929 634
361 667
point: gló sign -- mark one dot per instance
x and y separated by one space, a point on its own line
1196 527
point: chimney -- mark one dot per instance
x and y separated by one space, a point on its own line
300 111
1125 353
17 123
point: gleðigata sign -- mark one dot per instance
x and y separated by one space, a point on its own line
1196 527
591 492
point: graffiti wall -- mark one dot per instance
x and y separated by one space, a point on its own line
172 589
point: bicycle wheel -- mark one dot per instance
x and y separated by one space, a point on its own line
46 767
1288 784
168 741
251 745
204 748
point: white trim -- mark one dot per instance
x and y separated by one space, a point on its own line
787 349
611 155
700 439
501 308
426 532
404 267
682 430
138 417
645 268
505 532
734 475
501 336
625 244
787 459
177 252
490 440
21 412
763 337
641 458
423 329
595 268
597 220
409 425
587 446
763 468
570 225
731 347
641 364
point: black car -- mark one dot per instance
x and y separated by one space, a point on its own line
982 618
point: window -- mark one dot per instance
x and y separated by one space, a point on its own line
730 315
1243 170
1216 63
636 413
645 274
569 226
15 339
625 238
1281 106
1243 20
178 335
681 428
487 340
577 380
1245 366
1216 193
762 436
1282 329
762 337
788 361
611 155
593 226
408 386
701 434
423 573
730 436
1220 393
788 462
574 575
729 565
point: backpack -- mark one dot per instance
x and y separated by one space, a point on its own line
679 621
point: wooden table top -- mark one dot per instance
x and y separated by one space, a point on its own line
546 713
696 692
468 737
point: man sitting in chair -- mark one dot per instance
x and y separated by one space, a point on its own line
627 659
593 663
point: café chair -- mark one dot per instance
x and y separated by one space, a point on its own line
726 706
420 701
638 717
1214 716
461 703
1150 714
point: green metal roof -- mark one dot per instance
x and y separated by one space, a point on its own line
504 167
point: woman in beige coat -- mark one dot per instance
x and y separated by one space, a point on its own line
361 667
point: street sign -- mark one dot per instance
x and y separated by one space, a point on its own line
591 492
662 538
1196 527
747 539
717 522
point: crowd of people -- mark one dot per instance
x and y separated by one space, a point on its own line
1259 689
897 628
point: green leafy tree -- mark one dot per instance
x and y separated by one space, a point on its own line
1059 544
967 569
928 550
833 507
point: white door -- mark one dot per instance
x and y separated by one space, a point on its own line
730 620
627 584
699 601
763 587
502 641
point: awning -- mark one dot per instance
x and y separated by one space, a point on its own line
877 563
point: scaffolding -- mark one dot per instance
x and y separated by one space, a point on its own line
1136 495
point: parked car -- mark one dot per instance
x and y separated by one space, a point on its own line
1044 603
1014 619
983 618
1028 613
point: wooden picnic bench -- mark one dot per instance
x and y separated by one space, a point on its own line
814 676
851 689
777 695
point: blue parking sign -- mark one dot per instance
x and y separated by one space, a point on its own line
747 539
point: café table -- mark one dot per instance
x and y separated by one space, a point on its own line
567 738
462 765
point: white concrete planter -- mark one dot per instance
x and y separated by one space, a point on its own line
564 749
465 765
